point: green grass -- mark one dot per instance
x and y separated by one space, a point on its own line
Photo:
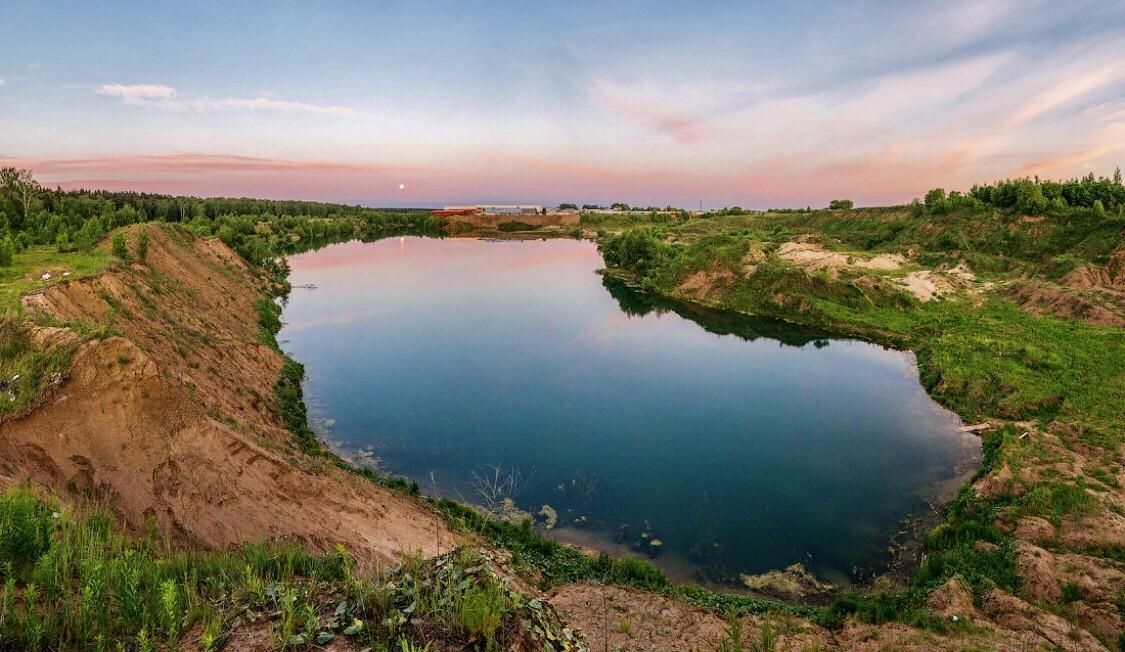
557 564
77 581
291 406
32 369
982 356
1054 500
24 276
995 360
25 370
966 545
269 322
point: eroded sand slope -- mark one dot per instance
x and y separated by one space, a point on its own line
170 419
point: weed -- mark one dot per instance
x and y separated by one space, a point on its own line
732 635
1070 593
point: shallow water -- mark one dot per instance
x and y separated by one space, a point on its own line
741 444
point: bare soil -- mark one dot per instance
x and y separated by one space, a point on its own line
172 420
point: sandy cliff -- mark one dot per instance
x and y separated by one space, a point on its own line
171 418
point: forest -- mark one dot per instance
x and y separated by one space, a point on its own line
74 220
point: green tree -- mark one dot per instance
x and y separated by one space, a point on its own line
1099 207
841 204
142 245
935 197
1029 198
7 250
119 249
20 188
62 242
635 249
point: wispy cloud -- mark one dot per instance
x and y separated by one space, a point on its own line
138 94
1109 140
167 98
646 111
193 163
1 83
1064 92
271 104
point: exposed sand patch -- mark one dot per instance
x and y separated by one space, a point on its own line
814 258
927 285
705 284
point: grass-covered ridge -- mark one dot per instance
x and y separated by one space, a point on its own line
74 580
1054 378
979 353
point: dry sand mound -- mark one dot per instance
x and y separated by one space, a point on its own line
815 258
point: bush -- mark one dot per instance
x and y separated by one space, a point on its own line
841 204
635 249
7 251
142 245
119 248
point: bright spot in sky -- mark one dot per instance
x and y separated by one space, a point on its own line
402 186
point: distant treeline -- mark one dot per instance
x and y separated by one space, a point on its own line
1031 196
257 228
1035 196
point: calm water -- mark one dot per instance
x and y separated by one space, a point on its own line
741 445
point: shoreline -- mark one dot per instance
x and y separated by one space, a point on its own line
903 542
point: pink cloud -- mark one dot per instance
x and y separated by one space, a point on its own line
190 163
680 126
219 174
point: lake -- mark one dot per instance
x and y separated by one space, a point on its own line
739 444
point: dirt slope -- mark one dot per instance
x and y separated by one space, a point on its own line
170 419
629 620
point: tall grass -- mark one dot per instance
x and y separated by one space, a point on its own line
78 581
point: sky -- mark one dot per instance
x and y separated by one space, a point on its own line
419 103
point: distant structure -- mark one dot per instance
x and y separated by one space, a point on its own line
491 209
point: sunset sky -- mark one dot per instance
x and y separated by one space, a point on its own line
741 103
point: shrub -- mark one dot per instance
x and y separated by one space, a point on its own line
7 251
119 248
1070 592
635 249
841 204
142 245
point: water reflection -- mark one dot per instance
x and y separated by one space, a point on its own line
711 441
